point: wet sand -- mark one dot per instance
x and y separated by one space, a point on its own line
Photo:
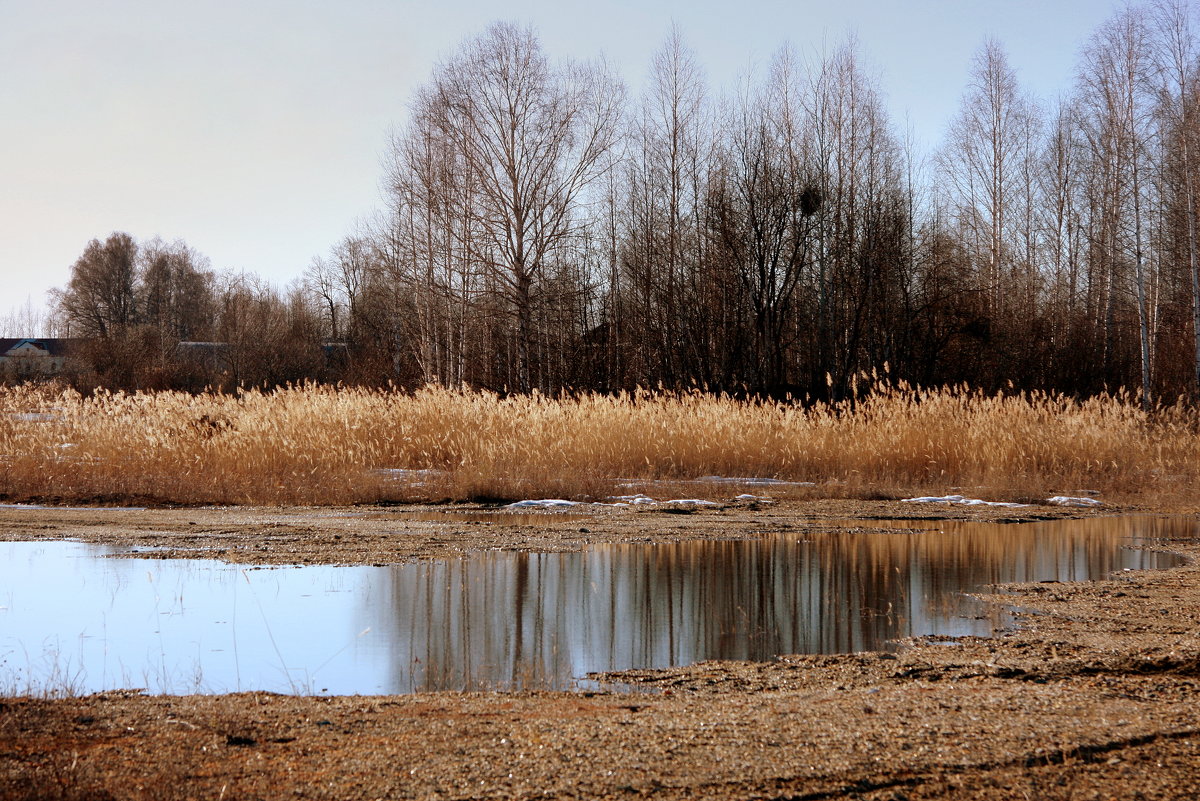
1093 696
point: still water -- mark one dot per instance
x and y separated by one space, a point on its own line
72 618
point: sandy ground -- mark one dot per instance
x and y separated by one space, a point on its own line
1094 696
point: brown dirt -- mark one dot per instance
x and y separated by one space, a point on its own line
1095 696
388 535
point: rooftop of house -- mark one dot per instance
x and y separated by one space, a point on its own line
42 346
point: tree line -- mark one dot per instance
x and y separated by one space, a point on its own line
545 230
154 315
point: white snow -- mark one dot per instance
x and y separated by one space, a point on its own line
692 502
749 481
407 474
78 508
758 482
635 500
544 503
962 501
746 497
1067 500
33 417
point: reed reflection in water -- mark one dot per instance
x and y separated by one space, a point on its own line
503 620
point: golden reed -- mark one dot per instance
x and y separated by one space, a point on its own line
324 445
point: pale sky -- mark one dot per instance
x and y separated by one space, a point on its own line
254 129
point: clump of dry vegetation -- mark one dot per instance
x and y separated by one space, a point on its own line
324 445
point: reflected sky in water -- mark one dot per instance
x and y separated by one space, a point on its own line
72 619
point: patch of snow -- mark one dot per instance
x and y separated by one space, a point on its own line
544 503
1068 500
33 417
693 502
746 497
935 499
963 501
754 482
406 474
635 500
758 482
74 508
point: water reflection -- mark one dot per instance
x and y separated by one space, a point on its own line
70 618
528 619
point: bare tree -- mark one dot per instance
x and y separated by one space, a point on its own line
765 198
1117 119
985 165
175 290
99 298
321 282
27 320
266 338
671 145
533 137
427 244
856 161
1177 54
1060 221
340 282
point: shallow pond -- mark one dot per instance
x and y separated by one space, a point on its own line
73 619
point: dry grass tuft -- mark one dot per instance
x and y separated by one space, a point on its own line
324 445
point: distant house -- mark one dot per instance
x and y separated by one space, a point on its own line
219 356
337 355
34 358
212 357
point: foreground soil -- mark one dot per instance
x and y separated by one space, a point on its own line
1094 696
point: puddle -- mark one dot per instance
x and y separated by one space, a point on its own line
71 619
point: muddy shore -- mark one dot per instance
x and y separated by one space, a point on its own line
388 535
1095 695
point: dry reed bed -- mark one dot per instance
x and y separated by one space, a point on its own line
323 445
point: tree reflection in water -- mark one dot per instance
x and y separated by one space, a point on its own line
521 620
